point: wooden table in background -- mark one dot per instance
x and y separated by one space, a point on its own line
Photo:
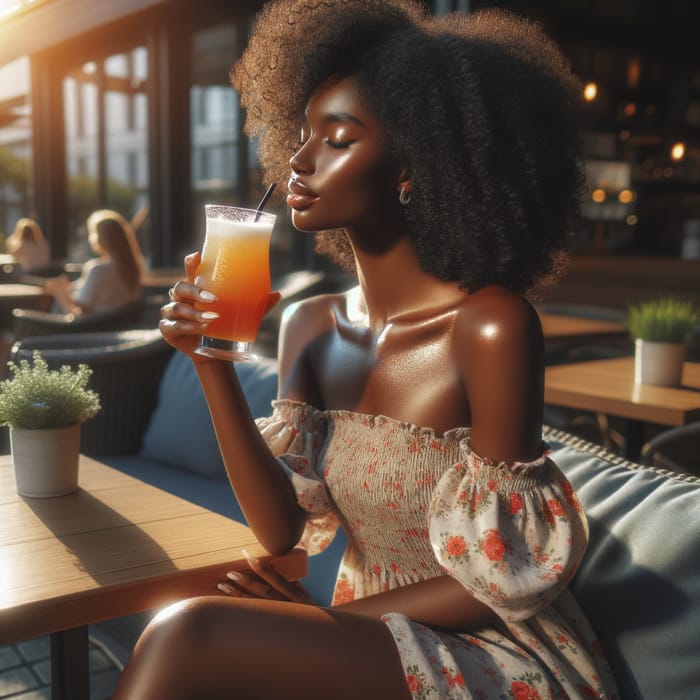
607 386
560 327
20 296
116 546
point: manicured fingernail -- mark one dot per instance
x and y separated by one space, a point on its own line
234 575
251 559
204 295
208 315
224 588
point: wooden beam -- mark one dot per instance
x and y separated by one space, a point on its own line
55 21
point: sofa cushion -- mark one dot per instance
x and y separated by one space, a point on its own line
639 583
180 431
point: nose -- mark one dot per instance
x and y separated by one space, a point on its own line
300 162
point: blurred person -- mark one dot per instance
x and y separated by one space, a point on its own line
108 281
28 245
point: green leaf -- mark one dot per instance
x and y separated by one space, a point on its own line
38 397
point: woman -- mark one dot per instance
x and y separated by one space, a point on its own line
108 281
440 158
28 245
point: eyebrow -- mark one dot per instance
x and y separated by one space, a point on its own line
343 117
331 117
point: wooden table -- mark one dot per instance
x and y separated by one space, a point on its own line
607 386
559 327
22 296
116 546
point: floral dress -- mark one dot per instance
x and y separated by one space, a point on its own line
416 505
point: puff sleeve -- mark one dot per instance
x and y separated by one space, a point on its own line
512 535
296 434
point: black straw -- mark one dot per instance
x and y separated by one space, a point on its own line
263 201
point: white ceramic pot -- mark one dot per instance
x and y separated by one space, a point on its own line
659 363
46 460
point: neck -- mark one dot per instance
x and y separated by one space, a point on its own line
395 288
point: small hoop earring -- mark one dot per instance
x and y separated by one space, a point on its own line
404 196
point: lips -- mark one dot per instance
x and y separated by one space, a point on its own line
300 196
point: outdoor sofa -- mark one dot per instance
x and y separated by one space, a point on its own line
639 582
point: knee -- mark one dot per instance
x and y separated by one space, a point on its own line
180 629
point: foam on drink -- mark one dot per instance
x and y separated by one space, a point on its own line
235 267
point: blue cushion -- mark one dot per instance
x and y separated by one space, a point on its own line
180 431
639 583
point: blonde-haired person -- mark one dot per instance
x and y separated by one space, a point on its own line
28 245
108 281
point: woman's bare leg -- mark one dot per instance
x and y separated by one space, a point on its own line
219 649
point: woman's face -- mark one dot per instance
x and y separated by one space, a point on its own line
341 175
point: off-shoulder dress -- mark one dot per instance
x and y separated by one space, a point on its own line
416 505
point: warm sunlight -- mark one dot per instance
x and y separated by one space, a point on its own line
10 7
14 78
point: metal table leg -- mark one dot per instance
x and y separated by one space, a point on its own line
634 439
70 667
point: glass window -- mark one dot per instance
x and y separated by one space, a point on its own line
215 129
224 165
15 145
106 127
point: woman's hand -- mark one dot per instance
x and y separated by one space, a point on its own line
57 285
61 290
263 582
181 323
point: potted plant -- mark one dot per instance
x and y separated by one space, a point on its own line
44 409
661 330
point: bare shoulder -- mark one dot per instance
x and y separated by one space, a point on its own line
499 351
305 323
495 316
306 318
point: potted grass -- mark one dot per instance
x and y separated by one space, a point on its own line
661 330
44 409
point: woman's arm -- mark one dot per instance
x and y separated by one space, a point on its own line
500 351
440 602
62 291
262 488
264 492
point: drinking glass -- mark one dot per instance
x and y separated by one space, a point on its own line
235 266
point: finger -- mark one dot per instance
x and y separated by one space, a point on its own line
228 590
174 329
251 584
185 291
183 311
191 264
290 589
233 591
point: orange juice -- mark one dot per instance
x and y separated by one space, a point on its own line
235 266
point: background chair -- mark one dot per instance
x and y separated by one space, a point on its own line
30 322
676 449
122 362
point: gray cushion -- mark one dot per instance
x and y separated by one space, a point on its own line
639 583
180 432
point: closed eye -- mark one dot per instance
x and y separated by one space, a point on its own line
339 144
